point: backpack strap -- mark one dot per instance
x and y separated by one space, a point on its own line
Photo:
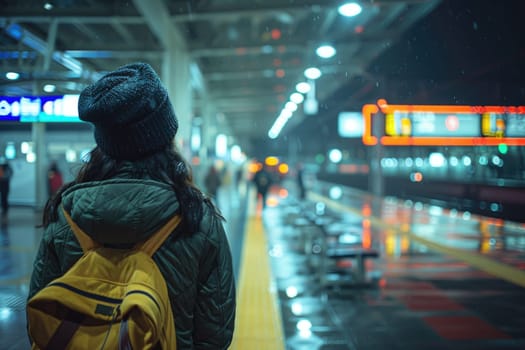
86 242
153 243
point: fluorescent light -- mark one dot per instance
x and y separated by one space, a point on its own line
236 154
325 51
12 75
267 49
221 146
312 73
286 114
303 87
335 155
290 106
279 123
49 88
437 160
297 97
350 9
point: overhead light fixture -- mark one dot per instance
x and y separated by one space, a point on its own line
325 51
49 88
312 73
268 73
10 150
290 106
12 75
280 73
267 49
303 87
279 123
276 34
297 97
350 9
285 114
335 155
48 6
221 145
236 154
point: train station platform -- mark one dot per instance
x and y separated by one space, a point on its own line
340 269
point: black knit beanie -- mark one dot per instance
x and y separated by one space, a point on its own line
131 112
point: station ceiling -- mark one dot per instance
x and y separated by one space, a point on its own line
247 56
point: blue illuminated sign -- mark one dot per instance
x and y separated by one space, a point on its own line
30 109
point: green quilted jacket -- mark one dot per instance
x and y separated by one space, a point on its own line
197 266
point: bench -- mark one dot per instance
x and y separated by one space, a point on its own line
329 247
310 225
358 253
324 236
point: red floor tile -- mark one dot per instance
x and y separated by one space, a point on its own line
463 328
430 303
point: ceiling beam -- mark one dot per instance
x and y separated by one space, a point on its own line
110 54
82 27
34 42
239 51
231 14
244 101
158 20
74 19
264 74
122 31
236 14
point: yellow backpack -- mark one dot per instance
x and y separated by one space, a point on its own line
109 299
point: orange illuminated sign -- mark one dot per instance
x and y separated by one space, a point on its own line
443 125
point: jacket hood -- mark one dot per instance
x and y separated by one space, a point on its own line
120 211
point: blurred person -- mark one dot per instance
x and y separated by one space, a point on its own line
54 179
226 177
239 175
6 173
300 181
263 181
212 182
134 182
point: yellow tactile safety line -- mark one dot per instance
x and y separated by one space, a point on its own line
258 322
496 268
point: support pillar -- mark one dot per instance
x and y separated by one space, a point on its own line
39 147
176 77
376 184
39 129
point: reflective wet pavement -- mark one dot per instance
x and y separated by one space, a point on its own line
19 240
443 279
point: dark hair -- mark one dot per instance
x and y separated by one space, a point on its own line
167 166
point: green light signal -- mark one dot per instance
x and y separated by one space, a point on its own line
503 148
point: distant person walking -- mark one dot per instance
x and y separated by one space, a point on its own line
212 182
6 172
300 182
54 179
262 180
239 176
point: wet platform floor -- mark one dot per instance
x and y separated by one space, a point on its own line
443 279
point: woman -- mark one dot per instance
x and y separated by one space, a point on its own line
54 179
133 182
